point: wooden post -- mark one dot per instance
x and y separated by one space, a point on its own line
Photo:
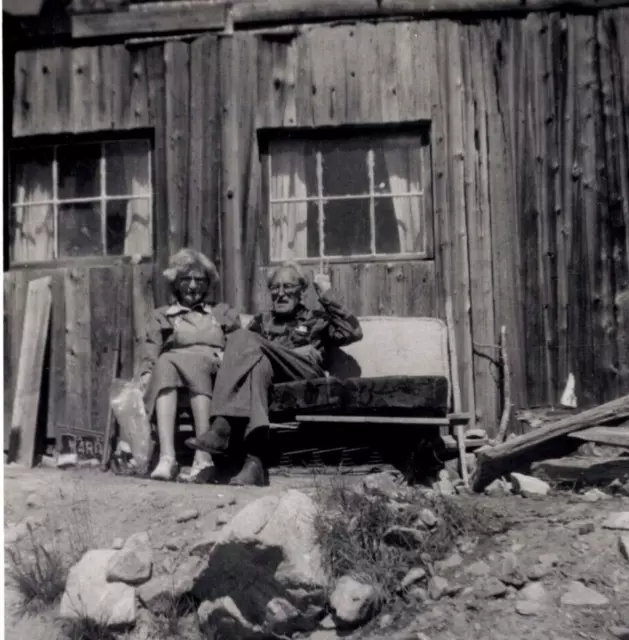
231 214
459 431
506 386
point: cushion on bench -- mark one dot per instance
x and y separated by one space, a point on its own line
415 395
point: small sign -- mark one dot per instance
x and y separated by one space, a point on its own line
86 446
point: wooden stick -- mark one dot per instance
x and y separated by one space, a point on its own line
109 427
459 430
506 386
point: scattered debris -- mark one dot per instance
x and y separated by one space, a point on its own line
490 587
529 486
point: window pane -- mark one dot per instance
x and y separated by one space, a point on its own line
79 171
387 238
346 227
313 230
289 230
344 167
127 168
33 233
129 227
80 230
397 165
399 225
293 170
31 179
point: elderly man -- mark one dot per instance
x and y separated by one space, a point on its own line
285 344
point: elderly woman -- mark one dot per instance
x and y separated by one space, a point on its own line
285 344
183 350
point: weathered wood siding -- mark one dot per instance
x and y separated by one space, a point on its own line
530 167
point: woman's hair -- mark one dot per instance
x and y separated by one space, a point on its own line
187 259
292 266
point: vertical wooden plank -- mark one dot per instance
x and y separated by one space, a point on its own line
10 364
21 107
176 58
63 79
157 117
78 357
460 264
388 72
83 99
56 373
367 68
231 180
422 58
29 375
486 374
305 84
104 329
505 227
137 113
611 222
142 304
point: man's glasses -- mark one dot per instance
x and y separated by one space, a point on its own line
288 289
187 280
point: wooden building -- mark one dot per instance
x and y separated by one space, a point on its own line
475 151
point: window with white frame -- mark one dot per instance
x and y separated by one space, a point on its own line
355 196
81 199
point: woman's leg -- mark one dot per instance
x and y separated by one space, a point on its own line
166 411
203 467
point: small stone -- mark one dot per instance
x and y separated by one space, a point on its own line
498 488
444 487
618 520
529 608
353 602
118 543
33 501
384 483
586 527
479 568
130 565
438 587
466 545
538 571
385 621
187 515
534 592
594 495
171 545
549 559
232 502
221 521
578 595
327 623
428 518
529 486
623 546
204 546
418 593
622 633
452 561
405 537
490 587
414 575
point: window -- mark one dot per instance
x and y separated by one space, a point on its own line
81 200
363 196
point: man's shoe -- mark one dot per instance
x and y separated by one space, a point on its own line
251 474
215 441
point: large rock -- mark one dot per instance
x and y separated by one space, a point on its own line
162 593
578 595
353 602
267 550
133 564
89 595
618 520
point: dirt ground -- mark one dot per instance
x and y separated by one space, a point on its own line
115 507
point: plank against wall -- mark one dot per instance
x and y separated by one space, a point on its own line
30 372
142 306
78 360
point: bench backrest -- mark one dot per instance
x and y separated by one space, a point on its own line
393 346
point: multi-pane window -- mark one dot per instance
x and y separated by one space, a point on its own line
364 196
81 200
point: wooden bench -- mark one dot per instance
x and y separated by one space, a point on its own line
399 374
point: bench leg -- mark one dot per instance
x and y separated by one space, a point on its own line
459 433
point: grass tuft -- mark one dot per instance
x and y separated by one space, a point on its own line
351 524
